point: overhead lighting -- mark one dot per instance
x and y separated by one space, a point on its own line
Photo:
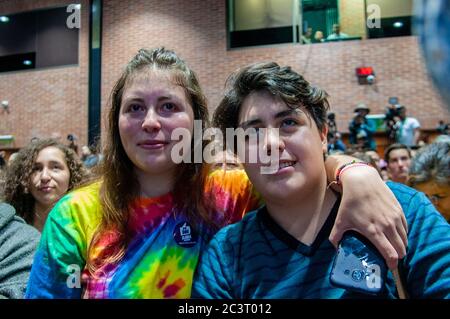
398 24
78 6
4 19
27 62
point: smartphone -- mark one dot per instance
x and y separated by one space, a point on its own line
358 265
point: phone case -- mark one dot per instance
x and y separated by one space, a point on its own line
358 265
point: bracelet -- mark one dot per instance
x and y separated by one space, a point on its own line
341 169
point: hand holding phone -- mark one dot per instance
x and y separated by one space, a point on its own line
358 266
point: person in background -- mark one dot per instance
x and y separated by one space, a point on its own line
430 173
73 143
335 143
366 158
376 158
443 128
398 159
89 157
2 160
11 158
442 138
384 173
361 133
39 176
407 128
18 242
318 37
337 34
390 119
307 36
225 160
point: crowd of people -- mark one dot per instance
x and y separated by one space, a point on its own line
318 37
405 158
141 225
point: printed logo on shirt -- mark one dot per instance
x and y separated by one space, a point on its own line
184 235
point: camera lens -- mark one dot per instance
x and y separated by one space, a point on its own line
357 275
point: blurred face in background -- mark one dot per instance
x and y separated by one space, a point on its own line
359 119
375 157
226 160
318 36
402 113
336 28
398 165
384 175
438 194
85 151
308 33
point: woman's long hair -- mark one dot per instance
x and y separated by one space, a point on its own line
120 186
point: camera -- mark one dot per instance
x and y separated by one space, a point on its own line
71 137
331 122
392 112
331 116
391 117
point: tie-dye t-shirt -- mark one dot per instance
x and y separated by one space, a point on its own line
160 258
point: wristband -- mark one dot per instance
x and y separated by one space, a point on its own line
346 166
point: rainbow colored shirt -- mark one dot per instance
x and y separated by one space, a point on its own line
160 259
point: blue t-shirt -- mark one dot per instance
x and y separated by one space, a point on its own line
256 258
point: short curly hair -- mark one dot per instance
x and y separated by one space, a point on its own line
17 177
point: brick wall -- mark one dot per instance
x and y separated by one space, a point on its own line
47 101
196 29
